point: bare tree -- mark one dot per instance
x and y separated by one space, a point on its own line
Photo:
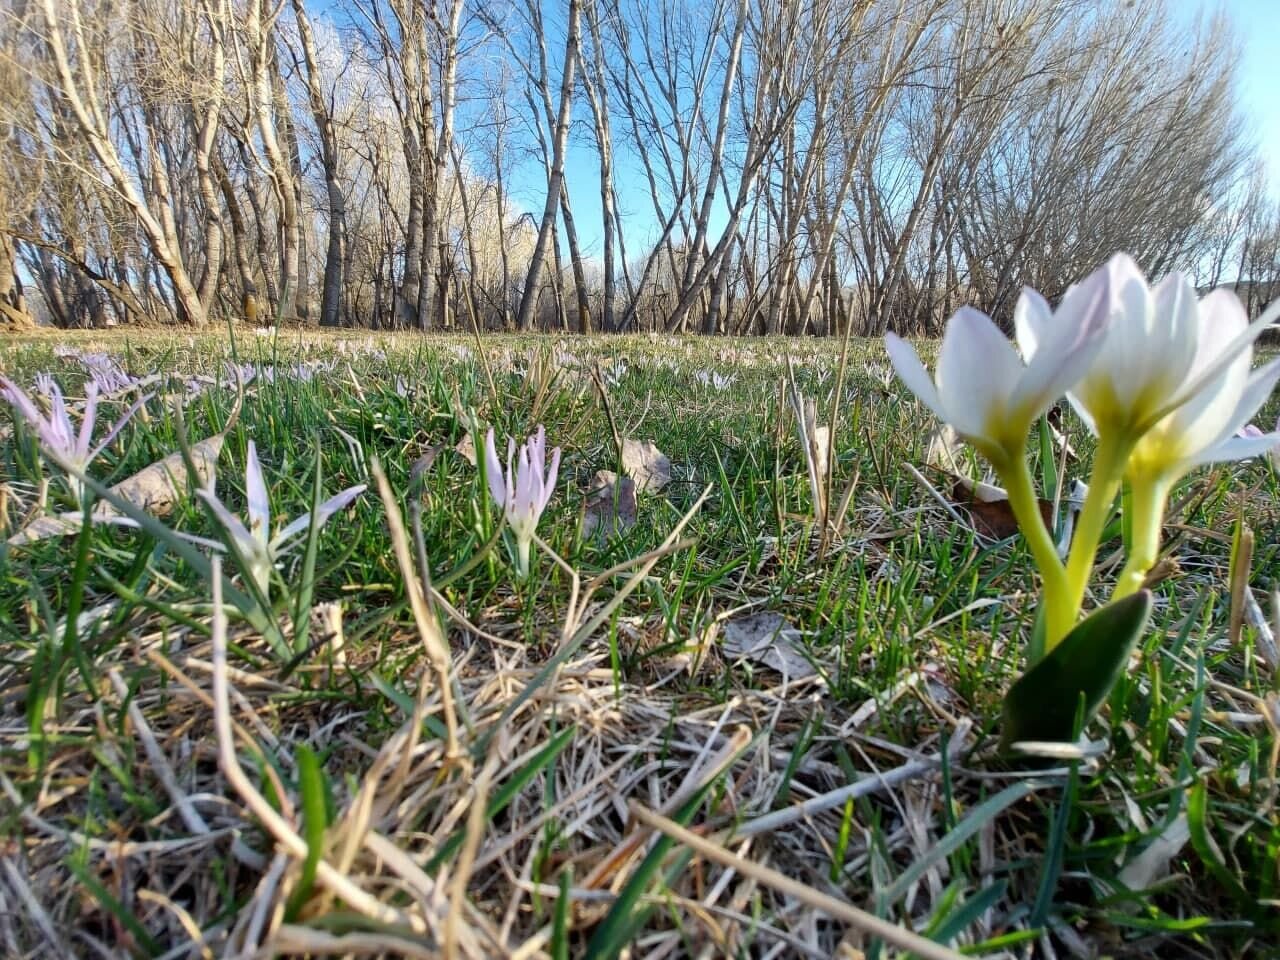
763 166
322 113
555 174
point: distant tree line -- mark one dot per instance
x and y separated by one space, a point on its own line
756 166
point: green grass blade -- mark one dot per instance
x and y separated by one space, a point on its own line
974 821
315 820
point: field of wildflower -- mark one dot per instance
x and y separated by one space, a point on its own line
528 647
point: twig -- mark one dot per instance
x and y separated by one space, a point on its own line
933 492
598 379
837 798
839 909
695 781
35 912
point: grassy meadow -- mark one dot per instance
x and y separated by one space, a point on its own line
701 726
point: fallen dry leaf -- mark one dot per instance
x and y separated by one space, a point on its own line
989 508
769 639
467 448
611 505
424 462
1152 864
646 464
156 489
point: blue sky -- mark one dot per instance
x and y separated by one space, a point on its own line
1258 26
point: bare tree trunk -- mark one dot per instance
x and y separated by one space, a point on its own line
207 135
289 130
263 74
555 181
596 85
582 298
440 153
469 238
322 113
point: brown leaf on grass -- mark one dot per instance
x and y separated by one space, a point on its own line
769 639
1152 865
989 508
467 448
157 489
987 505
646 464
424 462
611 505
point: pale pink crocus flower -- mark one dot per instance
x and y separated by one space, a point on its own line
1251 432
258 549
57 434
524 490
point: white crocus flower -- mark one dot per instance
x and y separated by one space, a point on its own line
1149 348
712 378
1164 349
1206 428
524 491
1209 427
255 544
985 390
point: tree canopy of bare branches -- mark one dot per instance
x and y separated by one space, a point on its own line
726 166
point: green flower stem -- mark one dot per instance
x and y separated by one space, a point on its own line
522 557
1016 477
1104 483
1150 494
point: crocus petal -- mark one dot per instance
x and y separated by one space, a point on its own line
524 483
87 422
977 369
538 450
326 510
550 486
230 523
21 402
255 489
1214 302
1237 448
57 431
1257 389
1210 415
493 471
906 362
1221 320
116 427
1177 317
1135 363
511 473
1066 349
1031 319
